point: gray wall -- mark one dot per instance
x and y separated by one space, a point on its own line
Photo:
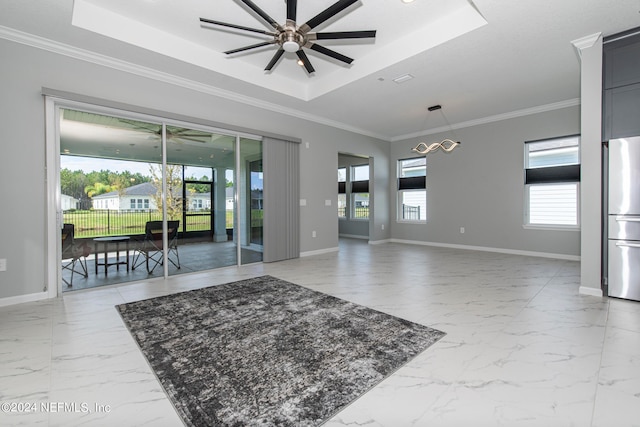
479 186
25 70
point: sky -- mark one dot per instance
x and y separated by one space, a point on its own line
90 164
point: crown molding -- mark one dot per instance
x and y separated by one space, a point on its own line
120 65
586 42
491 119
151 73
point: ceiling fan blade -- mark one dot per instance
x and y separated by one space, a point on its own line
253 46
305 61
135 125
238 27
262 13
181 138
332 53
275 59
326 14
292 5
344 35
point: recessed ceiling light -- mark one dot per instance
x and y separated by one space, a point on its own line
407 1
403 78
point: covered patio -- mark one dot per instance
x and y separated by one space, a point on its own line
193 257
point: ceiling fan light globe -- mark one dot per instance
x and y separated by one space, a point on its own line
290 46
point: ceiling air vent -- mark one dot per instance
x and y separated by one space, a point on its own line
403 78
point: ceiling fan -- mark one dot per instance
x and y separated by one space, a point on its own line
173 133
292 37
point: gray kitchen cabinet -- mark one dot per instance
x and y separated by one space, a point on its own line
622 63
622 112
621 85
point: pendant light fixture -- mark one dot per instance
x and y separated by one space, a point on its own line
446 145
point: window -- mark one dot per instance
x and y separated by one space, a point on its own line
133 203
412 193
360 192
552 179
342 192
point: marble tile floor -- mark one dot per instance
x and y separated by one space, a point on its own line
523 348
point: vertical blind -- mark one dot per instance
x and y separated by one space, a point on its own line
281 162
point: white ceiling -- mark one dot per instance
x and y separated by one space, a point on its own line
479 60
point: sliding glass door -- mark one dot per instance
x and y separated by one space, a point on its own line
148 198
201 161
251 197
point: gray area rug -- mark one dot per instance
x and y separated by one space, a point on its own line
265 352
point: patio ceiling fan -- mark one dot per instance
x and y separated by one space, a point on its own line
292 37
174 134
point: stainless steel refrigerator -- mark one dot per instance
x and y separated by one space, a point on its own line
624 218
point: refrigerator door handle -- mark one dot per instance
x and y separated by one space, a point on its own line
628 245
621 218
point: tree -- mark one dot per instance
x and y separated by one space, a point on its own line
72 183
84 185
173 198
200 188
98 188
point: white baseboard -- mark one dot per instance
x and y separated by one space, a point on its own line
354 236
20 299
379 242
489 249
318 252
594 292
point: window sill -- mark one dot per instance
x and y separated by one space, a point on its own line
544 227
409 221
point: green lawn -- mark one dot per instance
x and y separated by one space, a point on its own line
94 223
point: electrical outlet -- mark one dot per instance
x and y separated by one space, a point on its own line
313 233
382 226
3 264
461 230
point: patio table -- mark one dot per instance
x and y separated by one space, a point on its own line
106 242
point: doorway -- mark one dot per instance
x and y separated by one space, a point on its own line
354 201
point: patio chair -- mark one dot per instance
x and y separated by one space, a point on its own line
74 255
150 250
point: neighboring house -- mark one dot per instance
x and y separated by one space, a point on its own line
136 197
68 202
141 197
199 201
229 198
256 199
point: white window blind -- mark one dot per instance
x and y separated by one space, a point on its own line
555 204
412 193
552 176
